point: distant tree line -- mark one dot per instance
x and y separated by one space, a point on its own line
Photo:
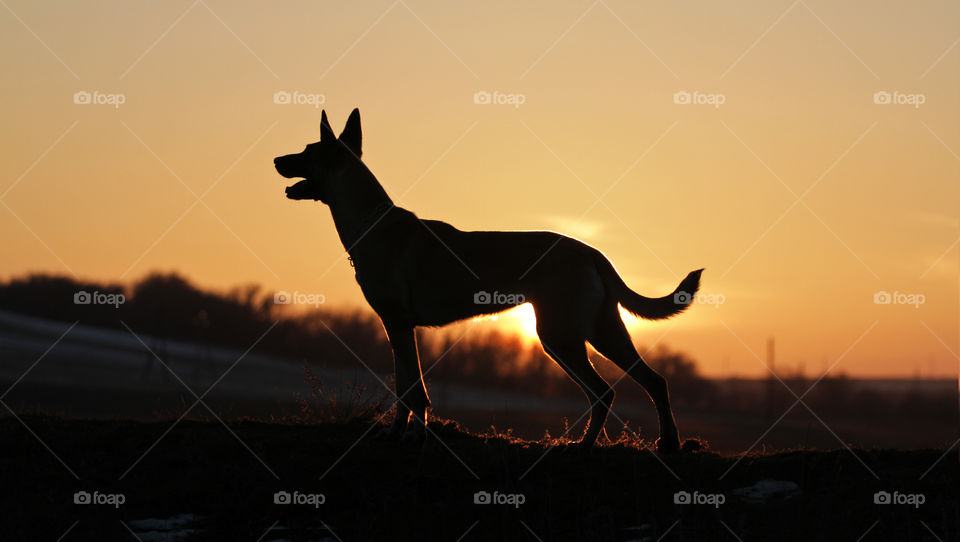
168 305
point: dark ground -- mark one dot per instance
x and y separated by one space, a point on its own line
391 491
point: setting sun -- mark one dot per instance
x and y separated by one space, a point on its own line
520 320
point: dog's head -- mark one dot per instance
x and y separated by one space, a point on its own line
324 163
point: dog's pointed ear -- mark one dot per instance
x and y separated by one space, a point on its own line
352 136
326 132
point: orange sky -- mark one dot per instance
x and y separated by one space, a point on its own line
110 192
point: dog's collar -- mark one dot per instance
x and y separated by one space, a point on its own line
366 224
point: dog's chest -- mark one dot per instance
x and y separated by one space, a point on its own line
382 285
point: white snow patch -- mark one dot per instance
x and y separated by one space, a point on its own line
165 529
154 524
765 490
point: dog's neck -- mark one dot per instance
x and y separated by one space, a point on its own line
361 206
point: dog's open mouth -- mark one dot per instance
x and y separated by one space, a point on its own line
297 190
303 188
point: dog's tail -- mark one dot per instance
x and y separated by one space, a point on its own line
649 308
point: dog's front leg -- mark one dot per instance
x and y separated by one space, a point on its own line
411 393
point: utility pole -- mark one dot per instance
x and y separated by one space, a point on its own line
771 380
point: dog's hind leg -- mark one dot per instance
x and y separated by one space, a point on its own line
612 340
571 355
411 393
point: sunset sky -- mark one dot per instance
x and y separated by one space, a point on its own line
801 196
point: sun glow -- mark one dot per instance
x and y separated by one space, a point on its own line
520 320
